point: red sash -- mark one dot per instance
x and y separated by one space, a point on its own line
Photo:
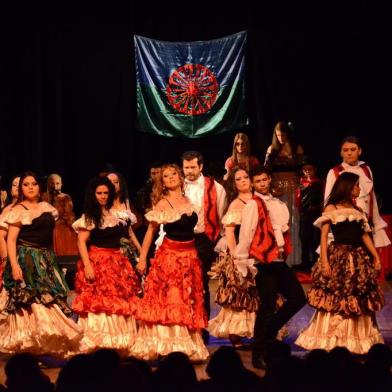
339 168
211 218
263 246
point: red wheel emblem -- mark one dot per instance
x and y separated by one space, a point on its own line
192 89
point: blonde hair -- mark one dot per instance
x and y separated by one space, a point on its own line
158 190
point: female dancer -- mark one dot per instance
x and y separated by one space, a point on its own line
171 312
131 246
344 292
34 318
64 238
13 197
284 159
236 293
106 284
240 156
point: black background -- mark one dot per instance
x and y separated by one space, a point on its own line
68 83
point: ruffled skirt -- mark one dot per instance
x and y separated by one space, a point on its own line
237 294
328 330
352 288
346 302
232 322
34 312
171 311
107 305
115 288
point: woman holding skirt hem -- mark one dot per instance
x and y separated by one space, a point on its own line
35 315
344 291
106 283
171 312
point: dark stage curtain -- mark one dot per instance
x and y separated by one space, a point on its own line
68 86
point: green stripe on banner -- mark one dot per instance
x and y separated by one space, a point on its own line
155 115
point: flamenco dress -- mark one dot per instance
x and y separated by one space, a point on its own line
171 313
106 305
236 293
346 301
34 314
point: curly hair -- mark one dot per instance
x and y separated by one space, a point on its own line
92 209
158 189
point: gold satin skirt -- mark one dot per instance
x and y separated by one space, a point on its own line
39 330
102 330
232 322
328 330
157 340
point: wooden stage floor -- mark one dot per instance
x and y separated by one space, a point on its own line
297 323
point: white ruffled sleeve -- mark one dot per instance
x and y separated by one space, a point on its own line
81 224
19 215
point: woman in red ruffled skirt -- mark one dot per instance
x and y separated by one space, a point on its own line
106 284
171 313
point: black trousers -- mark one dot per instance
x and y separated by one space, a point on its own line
205 251
273 279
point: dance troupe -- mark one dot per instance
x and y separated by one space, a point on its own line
148 307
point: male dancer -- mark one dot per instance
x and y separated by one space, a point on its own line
263 237
350 151
210 197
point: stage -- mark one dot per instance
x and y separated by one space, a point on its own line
298 322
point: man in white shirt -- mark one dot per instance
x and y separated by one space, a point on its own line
350 151
267 217
210 197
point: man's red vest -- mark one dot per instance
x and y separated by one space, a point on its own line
263 246
211 217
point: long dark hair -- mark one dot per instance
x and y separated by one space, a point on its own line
342 189
122 194
9 200
231 189
36 178
285 128
243 137
92 209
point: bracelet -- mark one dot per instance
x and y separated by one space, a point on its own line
3 259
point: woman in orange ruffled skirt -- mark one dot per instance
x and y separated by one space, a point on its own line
171 313
106 284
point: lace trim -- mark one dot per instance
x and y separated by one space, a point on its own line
114 218
342 214
26 217
170 216
232 218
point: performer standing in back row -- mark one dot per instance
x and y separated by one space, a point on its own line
350 151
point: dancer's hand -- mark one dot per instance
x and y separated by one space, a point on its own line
141 266
326 268
377 264
89 273
17 273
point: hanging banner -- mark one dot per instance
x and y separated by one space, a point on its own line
191 89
